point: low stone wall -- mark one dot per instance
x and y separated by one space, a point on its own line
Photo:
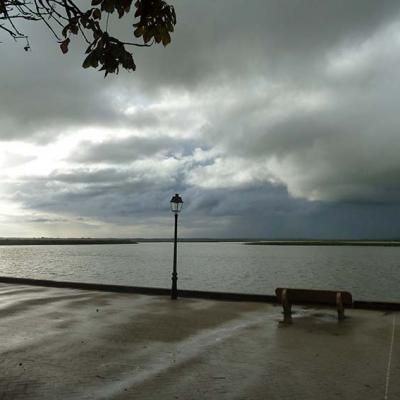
199 294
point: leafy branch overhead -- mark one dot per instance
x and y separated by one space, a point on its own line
153 22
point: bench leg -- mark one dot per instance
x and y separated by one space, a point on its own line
339 306
287 309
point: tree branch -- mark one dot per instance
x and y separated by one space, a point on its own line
63 18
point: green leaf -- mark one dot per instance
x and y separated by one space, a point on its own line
64 45
74 29
97 13
170 27
138 31
166 39
147 35
94 60
108 5
87 63
65 30
116 51
157 37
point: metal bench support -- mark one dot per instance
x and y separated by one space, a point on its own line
339 306
287 308
287 297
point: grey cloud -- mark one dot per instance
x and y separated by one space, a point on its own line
252 211
105 194
267 212
87 176
13 159
44 92
348 151
46 220
217 40
41 92
262 199
122 151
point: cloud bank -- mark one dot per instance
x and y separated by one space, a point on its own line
277 119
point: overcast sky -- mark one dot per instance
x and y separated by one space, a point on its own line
274 119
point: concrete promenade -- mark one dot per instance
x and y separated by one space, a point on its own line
59 343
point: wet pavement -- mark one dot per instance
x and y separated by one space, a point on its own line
75 344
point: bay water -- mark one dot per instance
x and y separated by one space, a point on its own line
369 273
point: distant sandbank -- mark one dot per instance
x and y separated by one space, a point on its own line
52 241
386 243
87 241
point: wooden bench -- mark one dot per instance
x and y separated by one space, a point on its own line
287 297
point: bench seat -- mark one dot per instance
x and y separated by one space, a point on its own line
337 298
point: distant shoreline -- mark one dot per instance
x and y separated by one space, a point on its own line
254 242
72 241
383 243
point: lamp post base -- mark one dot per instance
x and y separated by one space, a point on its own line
174 290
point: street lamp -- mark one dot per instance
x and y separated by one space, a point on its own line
176 207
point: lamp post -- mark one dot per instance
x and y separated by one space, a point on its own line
176 207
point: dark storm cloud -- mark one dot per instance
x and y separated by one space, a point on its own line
332 152
129 202
267 211
247 211
103 198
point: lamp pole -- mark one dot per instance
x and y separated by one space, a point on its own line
174 291
176 206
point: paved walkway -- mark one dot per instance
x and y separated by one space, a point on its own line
71 344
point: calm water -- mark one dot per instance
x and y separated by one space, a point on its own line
370 273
